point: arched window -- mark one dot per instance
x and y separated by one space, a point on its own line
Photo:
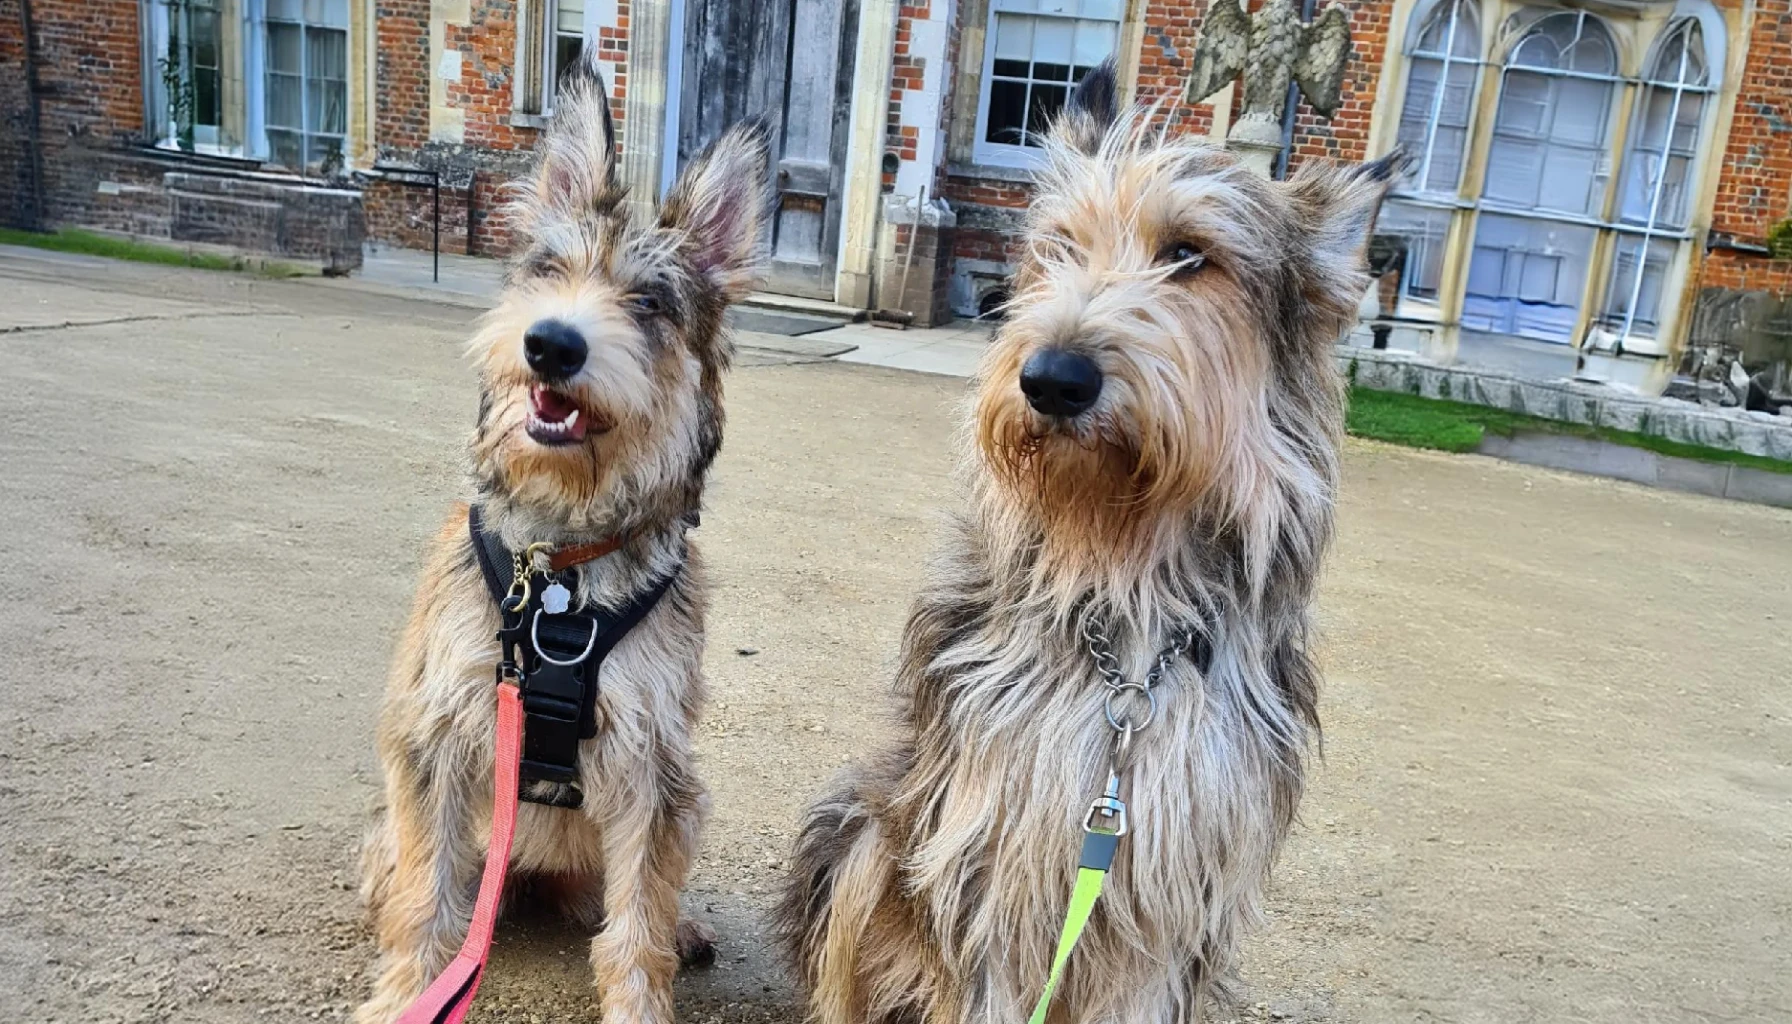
1548 169
1657 179
1440 95
1443 52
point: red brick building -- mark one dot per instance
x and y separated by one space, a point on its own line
1596 182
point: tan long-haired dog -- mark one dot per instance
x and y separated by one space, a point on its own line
600 412
1153 461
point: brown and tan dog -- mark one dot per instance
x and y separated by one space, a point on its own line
1153 460
600 413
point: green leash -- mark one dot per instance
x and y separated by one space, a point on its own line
1100 840
1106 823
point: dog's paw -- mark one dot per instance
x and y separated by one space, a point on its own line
696 944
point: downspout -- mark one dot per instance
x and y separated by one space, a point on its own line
1289 105
33 118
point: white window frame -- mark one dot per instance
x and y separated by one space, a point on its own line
535 75
258 94
1604 329
207 139
1016 155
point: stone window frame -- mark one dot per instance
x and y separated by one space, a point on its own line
1451 217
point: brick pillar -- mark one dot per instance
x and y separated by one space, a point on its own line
922 241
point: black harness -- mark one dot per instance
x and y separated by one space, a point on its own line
554 658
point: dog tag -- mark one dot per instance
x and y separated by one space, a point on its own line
555 599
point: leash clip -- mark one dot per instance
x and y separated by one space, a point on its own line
1110 809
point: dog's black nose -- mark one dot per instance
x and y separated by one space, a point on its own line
555 349
1060 383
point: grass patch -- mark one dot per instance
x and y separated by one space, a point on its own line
92 243
1458 427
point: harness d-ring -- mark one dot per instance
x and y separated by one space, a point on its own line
535 638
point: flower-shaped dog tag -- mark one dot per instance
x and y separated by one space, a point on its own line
555 599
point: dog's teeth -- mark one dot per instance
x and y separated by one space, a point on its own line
570 420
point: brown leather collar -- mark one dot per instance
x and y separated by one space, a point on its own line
579 554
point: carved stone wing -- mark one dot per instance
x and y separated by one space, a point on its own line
1319 66
1221 51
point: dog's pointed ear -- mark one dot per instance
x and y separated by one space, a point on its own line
721 204
1337 206
1093 108
576 158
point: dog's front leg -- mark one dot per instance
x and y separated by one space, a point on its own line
429 864
648 842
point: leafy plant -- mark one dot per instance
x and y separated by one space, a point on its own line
1779 239
175 81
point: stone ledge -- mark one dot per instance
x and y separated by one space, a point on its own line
1753 433
1621 462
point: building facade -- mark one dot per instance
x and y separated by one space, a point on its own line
1597 186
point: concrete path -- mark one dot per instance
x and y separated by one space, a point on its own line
1557 782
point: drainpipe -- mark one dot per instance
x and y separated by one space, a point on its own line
33 118
1289 105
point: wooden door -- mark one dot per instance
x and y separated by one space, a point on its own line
790 62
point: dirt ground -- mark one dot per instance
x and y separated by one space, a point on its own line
1557 782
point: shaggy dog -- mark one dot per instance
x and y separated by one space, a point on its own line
1153 462
600 412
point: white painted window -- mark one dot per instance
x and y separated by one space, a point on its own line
258 79
553 36
1557 192
1548 169
1443 52
1035 51
184 82
306 61
1655 204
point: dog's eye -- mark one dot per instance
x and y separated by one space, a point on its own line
646 305
1185 257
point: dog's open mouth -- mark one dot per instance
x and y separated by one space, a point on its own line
554 418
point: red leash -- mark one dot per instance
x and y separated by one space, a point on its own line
450 996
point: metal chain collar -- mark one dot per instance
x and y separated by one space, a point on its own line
1107 814
1124 696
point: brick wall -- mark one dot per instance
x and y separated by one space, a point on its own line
91 102
17 207
1345 138
492 152
1170 29
1755 189
402 68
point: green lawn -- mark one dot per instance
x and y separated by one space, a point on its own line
94 244
1457 427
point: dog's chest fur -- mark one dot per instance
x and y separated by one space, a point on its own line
1011 745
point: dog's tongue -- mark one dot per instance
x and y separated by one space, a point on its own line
551 406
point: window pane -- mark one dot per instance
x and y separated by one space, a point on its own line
1094 42
1645 286
327 106
285 10
1525 277
1053 43
285 102
1047 101
285 49
1411 240
1014 38
566 53
284 149
323 151
1107 10
1007 112
569 17
327 54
